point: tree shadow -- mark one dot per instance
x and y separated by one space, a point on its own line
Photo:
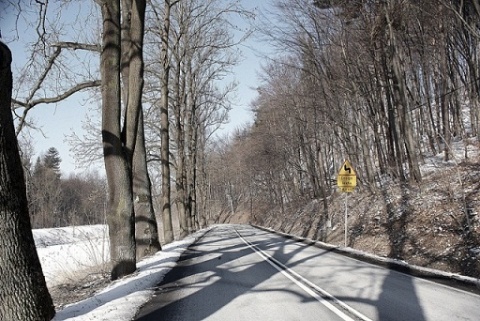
209 275
88 305
397 287
202 282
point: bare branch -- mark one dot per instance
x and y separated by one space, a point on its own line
28 105
78 46
41 30
49 66
66 94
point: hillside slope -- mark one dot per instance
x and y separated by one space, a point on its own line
432 224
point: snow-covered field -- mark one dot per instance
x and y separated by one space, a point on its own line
65 252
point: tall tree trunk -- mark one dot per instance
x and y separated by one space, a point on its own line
132 66
399 95
179 113
23 291
165 135
136 14
191 135
192 211
394 154
120 205
146 229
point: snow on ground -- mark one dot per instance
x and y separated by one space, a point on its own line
65 251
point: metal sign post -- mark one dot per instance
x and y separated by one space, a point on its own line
346 182
346 218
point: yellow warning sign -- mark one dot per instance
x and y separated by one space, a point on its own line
347 178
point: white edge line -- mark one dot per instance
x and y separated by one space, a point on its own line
288 273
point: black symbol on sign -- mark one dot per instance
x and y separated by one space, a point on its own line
347 169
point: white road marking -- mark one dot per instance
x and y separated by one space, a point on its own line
302 283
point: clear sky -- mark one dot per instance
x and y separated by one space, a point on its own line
59 120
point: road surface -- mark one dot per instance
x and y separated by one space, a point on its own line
237 272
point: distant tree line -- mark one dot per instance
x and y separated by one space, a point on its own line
55 201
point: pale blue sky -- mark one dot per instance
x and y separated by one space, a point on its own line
59 120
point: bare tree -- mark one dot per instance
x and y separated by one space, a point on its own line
120 215
165 125
203 52
50 59
132 69
123 55
24 294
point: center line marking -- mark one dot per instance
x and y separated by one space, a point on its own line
302 283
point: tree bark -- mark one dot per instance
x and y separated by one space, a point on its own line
146 230
165 135
136 14
132 69
23 291
180 180
120 216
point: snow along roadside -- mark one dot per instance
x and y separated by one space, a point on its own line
121 299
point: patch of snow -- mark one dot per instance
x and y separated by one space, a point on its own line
63 250
475 251
70 234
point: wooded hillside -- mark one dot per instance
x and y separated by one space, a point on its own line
385 84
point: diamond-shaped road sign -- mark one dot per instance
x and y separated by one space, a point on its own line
347 178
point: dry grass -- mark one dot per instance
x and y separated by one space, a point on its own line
86 283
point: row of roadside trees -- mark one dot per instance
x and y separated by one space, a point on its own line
157 112
158 109
170 103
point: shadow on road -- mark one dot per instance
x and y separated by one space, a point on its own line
205 281
201 283
397 287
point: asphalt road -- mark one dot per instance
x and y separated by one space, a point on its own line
238 272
